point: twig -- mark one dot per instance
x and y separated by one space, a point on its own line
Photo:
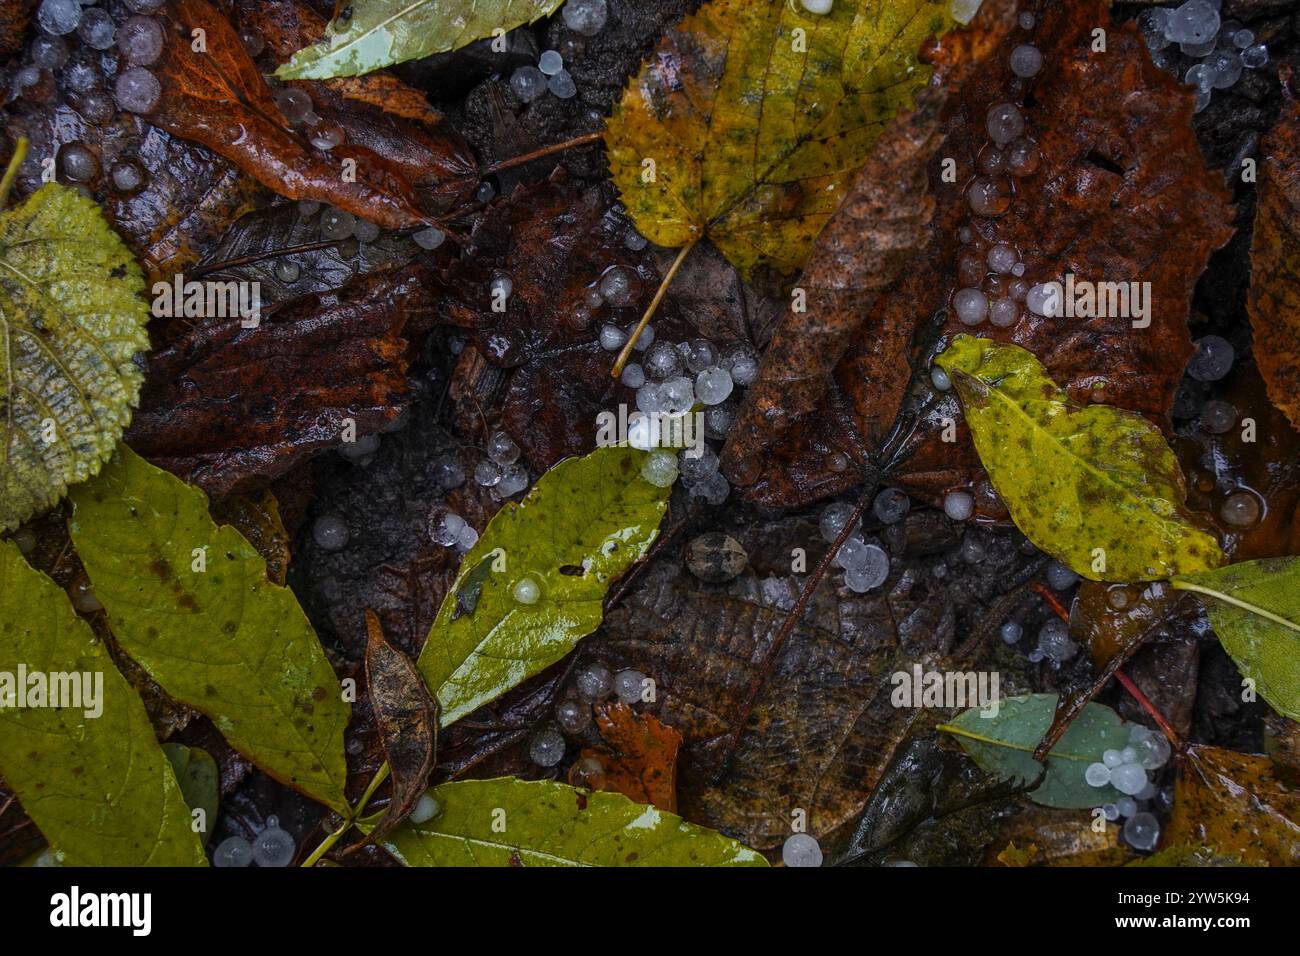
11 174
1050 600
1174 738
654 304
543 152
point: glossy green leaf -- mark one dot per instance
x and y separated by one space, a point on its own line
200 780
1005 745
72 318
1255 610
223 640
584 523
90 775
510 822
380 33
1095 486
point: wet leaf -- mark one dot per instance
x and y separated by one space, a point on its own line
640 760
1255 610
1005 745
407 716
200 781
596 513
1274 300
72 320
258 520
14 15
223 640
381 33
754 130
510 822
1187 854
98 786
1076 478
1232 802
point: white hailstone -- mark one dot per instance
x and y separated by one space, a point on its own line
1255 57
660 468
1212 360
487 474
1128 778
1142 831
852 553
616 287
963 11
137 90
1218 417
514 479
1004 122
1027 21
547 748
958 505
273 846
634 240
233 852
526 591
1240 509
1097 775
59 17
697 469
1146 793
940 379
713 385
502 449
425 809
1012 632
1111 758
363 447
633 375
612 337
628 686
872 571
971 306
1152 23
645 339
288 272
988 195
595 682
1018 270
585 16
643 433
445 528
801 849
662 360
1004 313
79 163
366 231
430 238
573 716
714 489
817 6
1026 60
1199 76
1060 577
337 224
1054 641
1110 811
50 53
834 519
528 83
550 62
677 395
717 420
1043 299
699 354
972 550
1194 22
330 532
741 361
1002 258
1243 39
592 298
1127 806
562 86
485 192
891 505
327 136
649 398
141 42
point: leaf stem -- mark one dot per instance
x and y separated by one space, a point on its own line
1174 738
11 174
335 835
650 311
1183 584
540 153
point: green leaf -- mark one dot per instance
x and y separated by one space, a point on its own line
200 780
1255 611
585 522
1005 744
507 822
1076 478
224 640
381 33
98 787
72 318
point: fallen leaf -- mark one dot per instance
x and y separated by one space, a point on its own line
258 520
73 321
14 15
200 783
640 760
70 771
509 822
223 640
1096 487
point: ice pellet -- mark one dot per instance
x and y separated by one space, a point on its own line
1240 509
660 468
425 809
585 16
502 449
273 846
1012 632
802 849
633 375
817 6
137 90
233 852
988 196
550 62
1060 577
1097 775
971 306
1218 417
939 379
330 532
1004 122
616 287
528 83
430 238
1128 778
1054 641
141 41
1142 831
595 682
713 385
97 29
834 519
547 748
562 86
1026 60
1212 360
958 505
612 337
59 17
526 591
573 716
337 224
891 505
871 572
628 686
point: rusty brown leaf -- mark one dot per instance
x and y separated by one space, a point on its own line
640 758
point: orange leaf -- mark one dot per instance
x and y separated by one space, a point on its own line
641 760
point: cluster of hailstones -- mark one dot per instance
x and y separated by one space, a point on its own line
1222 49
1127 771
274 846
585 18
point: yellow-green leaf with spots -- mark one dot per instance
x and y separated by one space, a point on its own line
1095 486
190 602
86 767
748 122
72 318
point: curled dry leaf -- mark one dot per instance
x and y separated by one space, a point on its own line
640 758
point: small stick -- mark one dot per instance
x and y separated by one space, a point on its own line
1049 598
540 153
20 154
624 355
1150 708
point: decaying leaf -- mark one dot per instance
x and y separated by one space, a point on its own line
407 716
258 520
72 320
510 822
1255 610
640 760
90 773
1095 486
595 513
191 604
380 33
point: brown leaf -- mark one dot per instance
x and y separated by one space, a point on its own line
1234 803
258 520
407 716
229 408
14 15
1274 300
641 757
